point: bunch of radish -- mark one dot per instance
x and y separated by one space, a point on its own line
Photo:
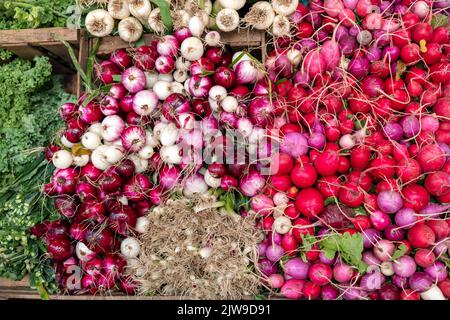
365 86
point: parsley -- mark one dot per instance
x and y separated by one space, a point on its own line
350 248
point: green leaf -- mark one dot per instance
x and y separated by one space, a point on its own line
77 65
360 211
166 18
349 247
91 62
308 242
117 78
330 200
400 251
439 20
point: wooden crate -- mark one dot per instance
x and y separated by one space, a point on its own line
21 290
29 43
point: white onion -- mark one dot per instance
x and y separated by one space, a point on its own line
192 49
245 127
169 134
282 225
96 128
283 7
195 184
232 4
90 140
140 8
66 143
151 78
227 20
213 104
99 23
114 154
180 75
145 102
141 165
81 160
196 26
146 152
211 181
294 56
229 104
212 39
165 77
281 26
83 253
112 127
182 64
142 224
118 9
130 29
98 157
171 154
130 248
186 121
151 139
158 128
217 92
280 199
62 159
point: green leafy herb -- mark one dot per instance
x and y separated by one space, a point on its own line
360 211
308 242
349 247
439 20
400 251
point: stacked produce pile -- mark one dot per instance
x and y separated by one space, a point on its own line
342 153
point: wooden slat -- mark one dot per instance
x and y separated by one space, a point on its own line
44 36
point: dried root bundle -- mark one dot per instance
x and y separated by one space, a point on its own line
194 249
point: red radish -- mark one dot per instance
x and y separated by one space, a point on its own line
303 176
320 274
309 202
421 236
424 258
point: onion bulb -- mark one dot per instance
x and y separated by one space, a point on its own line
62 159
280 26
130 29
284 7
118 9
232 4
227 20
99 23
139 8
192 49
260 16
154 21
130 248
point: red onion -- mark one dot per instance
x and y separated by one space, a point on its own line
252 183
164 64
420 281
121 219
246 72
90 172
182 34
201 108
169 177
90 113
109 106
126 103
126 168
66 206
202 66
133 138
85 191
93 267
174 105
145 57
199 86
99 240
133 79
106 71
117 91
121 58
59 249
77 231
68 110
224 77
110 181
261 111
167 46
93 211
137 189
65 180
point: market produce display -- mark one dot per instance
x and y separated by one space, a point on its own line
191 168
